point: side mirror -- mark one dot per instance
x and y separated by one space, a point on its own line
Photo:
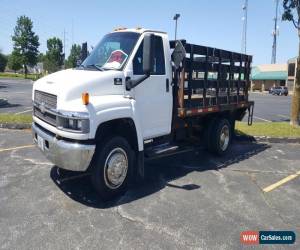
148 54
148 62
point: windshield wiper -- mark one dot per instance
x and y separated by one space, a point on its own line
104 68
92 66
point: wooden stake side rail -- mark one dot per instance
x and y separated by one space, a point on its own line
211 80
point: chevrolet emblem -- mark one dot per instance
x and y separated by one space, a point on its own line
42 108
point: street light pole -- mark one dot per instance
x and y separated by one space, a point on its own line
176 18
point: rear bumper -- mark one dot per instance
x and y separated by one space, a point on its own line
67 155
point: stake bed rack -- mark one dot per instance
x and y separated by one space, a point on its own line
211 80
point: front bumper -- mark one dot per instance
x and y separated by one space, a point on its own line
67 155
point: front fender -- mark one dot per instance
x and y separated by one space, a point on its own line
107 108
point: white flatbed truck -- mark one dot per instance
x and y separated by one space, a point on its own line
138 96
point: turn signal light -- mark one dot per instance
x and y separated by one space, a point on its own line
85 98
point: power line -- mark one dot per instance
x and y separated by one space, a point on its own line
275 33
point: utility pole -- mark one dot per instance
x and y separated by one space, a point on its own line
72 32
275 33
64 43
64 49
244 32
176 18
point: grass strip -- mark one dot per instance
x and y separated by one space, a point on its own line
271 129
18 119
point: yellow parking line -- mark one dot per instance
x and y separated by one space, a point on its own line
20 147
281 182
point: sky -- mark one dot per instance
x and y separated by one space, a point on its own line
214 23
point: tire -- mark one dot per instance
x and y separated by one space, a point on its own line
220 136
112 167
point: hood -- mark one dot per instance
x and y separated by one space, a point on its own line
69 84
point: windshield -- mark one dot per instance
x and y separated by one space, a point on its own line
112 51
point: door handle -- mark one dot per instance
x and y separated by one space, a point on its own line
167 85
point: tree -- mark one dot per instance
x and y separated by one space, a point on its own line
292 13
41 58
26 43
74 56
3 62
14 61
54 58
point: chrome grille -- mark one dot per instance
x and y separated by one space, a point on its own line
46 116
43 103
49 100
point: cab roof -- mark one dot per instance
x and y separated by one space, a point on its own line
136 30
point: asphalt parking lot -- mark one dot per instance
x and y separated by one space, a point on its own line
270 108
18 94
188 201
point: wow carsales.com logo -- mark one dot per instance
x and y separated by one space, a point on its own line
267 237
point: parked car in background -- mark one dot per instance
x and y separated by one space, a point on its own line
280 91
271 90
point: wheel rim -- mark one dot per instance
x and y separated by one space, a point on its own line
115 168
224 138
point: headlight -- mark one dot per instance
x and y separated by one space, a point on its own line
75 122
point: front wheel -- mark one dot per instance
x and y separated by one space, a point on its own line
111 167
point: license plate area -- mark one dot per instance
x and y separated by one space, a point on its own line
41 143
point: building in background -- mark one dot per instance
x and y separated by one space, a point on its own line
292 69
265 76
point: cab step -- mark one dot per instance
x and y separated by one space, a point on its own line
166 149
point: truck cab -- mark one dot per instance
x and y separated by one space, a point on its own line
99 116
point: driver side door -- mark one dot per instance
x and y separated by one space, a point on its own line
154 95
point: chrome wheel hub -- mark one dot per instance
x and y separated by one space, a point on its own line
224 138
115 169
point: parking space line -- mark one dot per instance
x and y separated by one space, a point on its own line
261 119
25 111
281 182
20 147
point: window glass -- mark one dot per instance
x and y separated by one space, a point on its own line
138 61
159 59
113 50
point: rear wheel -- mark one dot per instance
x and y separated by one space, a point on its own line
220 136
112 166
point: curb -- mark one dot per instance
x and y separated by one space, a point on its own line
245 138
15 125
